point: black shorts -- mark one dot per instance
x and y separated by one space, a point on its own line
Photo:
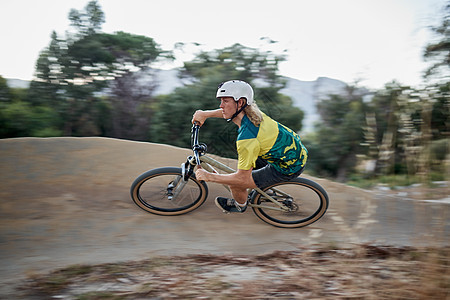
265 174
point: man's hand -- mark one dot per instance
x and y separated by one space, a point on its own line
199 117
201 174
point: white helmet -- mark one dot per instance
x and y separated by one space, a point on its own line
237 89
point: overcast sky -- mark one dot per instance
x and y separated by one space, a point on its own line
374 41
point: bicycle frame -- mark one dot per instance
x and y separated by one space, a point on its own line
208 163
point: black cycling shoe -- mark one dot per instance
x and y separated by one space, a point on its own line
229 205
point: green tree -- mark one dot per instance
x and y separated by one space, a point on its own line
88 21
406 123
440 120
395 125
5 92
439 52
71 72
437 96
432 115
5 99
236 61
173 114
19 119
336 142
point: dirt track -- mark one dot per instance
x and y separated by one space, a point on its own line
66 200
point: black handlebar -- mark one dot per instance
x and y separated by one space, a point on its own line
194 136
197 148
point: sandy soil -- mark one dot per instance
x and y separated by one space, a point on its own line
66 201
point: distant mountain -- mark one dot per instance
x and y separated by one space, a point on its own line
18 83
304 94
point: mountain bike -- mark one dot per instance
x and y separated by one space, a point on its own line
174 191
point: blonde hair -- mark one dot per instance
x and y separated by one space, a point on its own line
254 114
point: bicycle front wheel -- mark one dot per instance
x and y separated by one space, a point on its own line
164 192
306 201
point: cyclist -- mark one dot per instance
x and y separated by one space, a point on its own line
268 152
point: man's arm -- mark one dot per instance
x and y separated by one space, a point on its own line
241 178
200 116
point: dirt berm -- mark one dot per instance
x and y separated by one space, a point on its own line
66 201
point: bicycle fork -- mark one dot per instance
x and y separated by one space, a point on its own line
176 186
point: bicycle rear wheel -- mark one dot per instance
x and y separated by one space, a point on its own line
307 202
163 192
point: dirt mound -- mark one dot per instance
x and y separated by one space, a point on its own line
66 201
361 272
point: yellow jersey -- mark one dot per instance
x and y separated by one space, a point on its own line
273 142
